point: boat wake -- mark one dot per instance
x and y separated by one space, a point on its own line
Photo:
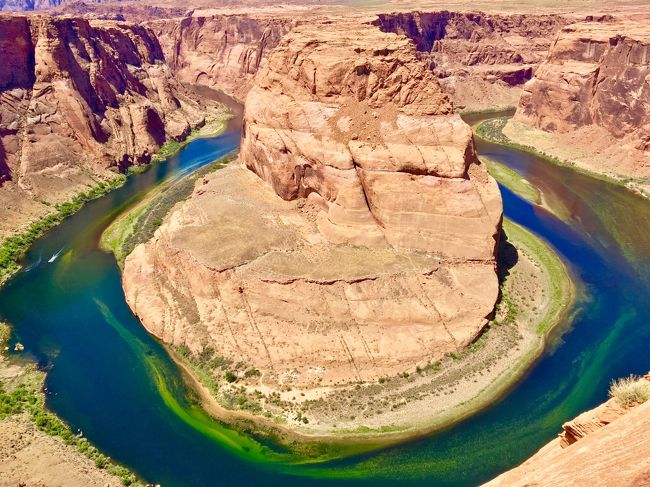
55 256
32 265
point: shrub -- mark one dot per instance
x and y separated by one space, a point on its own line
630 390
230 376
252 372
101 461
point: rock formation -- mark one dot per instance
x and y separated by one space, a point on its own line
77 101
609 445
223 51
366 133
595 81
482 60
365 246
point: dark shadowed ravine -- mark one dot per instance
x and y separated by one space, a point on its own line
108 378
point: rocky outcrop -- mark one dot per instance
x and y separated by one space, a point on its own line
482 60
365 246
78 101
609 445
366 133
596 75
223 51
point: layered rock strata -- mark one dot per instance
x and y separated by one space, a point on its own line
482 60
596 73
593 92
79 101
361 243
223 51
609 445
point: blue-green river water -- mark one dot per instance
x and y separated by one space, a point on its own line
108 378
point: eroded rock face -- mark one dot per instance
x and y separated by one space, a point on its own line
596 73
481 59
79 100
364 247
349 118
609 445
223 51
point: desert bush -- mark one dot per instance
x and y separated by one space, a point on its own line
630 390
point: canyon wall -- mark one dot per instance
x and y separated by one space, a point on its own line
482 60
596 73
607 446
367 134
355 238
79 101
222 51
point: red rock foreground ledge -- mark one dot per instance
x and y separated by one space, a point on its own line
379 254
607 446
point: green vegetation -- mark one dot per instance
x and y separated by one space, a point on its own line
630 390
140 222
512 180
26 398
170 148
214 126
4 335
121 229
561 292
492 131
13 248
204 365
252 372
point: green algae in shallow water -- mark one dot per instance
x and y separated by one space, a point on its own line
512 180
235 442
241 444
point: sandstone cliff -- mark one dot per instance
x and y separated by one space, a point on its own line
79 101
593 92
607 446
365 246
366 133
481 59
223 51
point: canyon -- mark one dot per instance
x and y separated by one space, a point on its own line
80 98
80 102
482 60
220 51
588 103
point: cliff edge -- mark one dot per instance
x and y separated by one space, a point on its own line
609 445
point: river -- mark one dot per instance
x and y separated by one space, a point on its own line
108 378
